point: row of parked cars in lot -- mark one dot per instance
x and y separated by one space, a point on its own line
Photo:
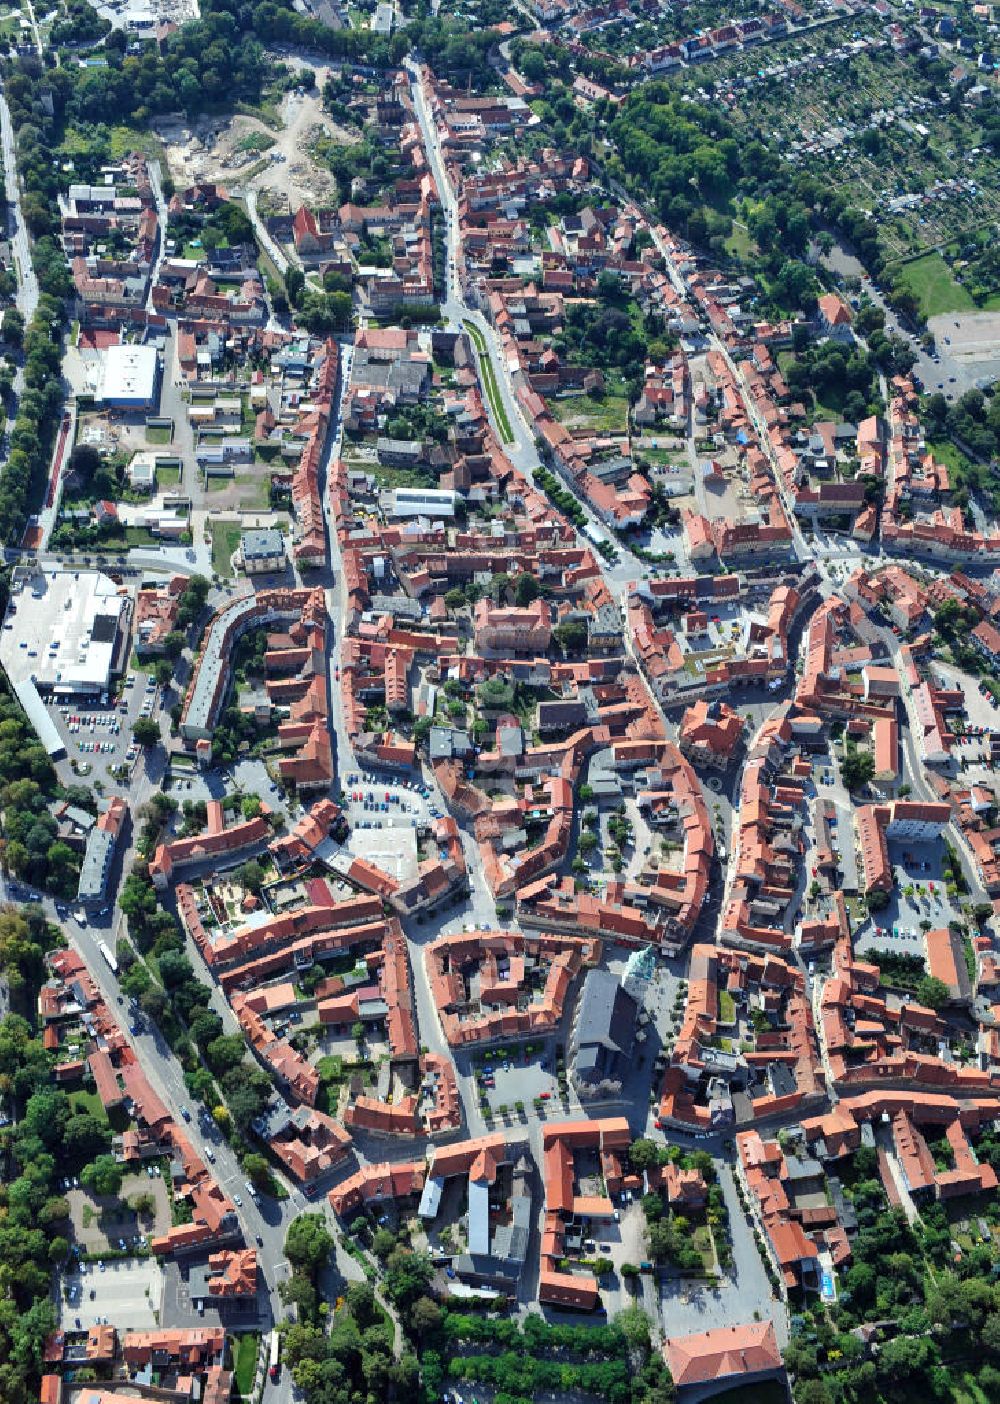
413 785
83 721
376 800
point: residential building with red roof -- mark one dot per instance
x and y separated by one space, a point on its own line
711 1362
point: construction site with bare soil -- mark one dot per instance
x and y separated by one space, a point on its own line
244 153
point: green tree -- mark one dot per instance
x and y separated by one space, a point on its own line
259 1171
84 1136
146 731
644 1154
226 1053
58 1249
102 1176
932 992
634 1326
526 590
360 1299
857 769
251 875
570 635
407 1277
425 1320
46 1115
308 1243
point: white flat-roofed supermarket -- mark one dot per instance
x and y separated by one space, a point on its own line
131 377
64 631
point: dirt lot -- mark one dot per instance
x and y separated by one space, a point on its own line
109 1220
231 151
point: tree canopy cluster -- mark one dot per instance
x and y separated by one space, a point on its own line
49 1137
32 848
944 1314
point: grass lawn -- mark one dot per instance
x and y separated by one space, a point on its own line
930 280
245 1361
158 434
225 539
125 139
608 415
489 379
727 1007
139 536
195 249
659 457
952 457
254 490
168 477
404 477
702 1242
739 244
89 1102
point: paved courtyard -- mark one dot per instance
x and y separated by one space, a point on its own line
688 1305
101 1223
128 1294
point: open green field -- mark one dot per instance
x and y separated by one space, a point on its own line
225 539
607 415
930 280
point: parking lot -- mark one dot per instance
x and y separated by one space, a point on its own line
98 737
247 776
508 1076
388 804
919 896
128 1293
981 710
